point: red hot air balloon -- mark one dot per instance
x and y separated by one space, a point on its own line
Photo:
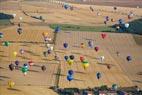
82 58
103 35
30 63
96 48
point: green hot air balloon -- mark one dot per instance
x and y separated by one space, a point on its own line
6 43
24 69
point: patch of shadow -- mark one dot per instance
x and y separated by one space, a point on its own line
3 56
137 81
76 46
2 68
139 73
13 89
5 77
1 80
76 53
25 45
36 65
59 51
79 72
34 71
138 39
32 53
59 74
1 51
106 64
78 80
23 57
45 59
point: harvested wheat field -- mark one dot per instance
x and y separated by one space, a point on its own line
40 41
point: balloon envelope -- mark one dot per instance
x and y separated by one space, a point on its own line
70 72
71 57
57 29
70 62
6 43
24 69
11 84
127 25
103 35
66 58
129 58
65 45
98 75
17 62
69 77
96 49
1 35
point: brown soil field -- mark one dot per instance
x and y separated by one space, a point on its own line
37 82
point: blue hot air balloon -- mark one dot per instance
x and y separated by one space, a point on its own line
70 72
66 58
17 62
57 29
70 77
98 75
65 45
129 58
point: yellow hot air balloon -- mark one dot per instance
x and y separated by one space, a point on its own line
15 53
85 66
70 62
11 84
45 34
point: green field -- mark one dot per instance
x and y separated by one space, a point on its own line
71 27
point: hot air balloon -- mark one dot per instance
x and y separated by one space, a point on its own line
66 6
103 35
126 25
1 35
70 77
45 34
43 68
90 44
98 75
82 58
15 53
31 63
82 45
66 58
19 30
65 45
49 51
114 86
17 62
107 18
70 62
129 58
85 66
24 70
6 43
57 29
102 58
11 84
96 48
21 51
71 57
121 21
70 72
11 67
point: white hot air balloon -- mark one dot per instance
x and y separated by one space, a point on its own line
127 25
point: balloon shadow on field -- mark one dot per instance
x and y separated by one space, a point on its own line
59 74
78 80
23 57
36 65
3 56
32 53
137 81
2 68
80 72
34 71
13 89
105 64
5 77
